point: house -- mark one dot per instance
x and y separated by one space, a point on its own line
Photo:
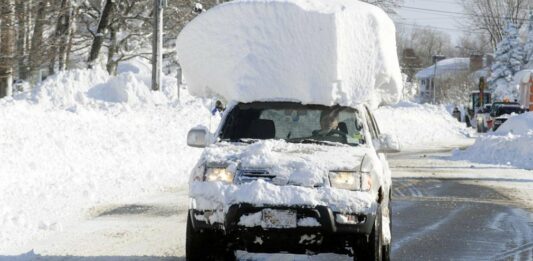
450 73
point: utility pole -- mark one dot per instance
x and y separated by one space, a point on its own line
157 44
436 59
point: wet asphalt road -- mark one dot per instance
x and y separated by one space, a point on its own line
450 220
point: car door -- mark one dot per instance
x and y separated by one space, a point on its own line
375 133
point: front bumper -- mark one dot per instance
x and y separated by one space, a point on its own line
329 236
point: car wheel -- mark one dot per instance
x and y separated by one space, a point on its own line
387 250
205 245
371 248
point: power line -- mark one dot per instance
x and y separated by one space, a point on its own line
458 13
438 28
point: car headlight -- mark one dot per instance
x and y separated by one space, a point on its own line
350 180
219 174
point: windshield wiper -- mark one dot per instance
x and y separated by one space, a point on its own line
242 140
313 141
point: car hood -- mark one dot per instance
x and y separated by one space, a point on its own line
292 164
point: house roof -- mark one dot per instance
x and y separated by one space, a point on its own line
446 67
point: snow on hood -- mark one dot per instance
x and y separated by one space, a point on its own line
301 169
315 52
299 164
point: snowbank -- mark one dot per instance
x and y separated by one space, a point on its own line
510 145
519 125
422 126
84 139
96 89
317 52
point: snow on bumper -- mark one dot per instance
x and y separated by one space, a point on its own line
219 197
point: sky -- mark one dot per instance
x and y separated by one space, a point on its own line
410 15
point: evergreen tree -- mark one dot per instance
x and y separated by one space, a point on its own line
528 47
509 58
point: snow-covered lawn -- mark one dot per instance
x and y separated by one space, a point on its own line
66 148
511 144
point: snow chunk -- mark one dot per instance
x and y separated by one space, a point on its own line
316 52
308 222
251 220
213 195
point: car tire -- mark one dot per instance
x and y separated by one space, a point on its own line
205 245
387 250
371 248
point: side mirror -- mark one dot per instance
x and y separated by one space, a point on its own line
198 137
386 143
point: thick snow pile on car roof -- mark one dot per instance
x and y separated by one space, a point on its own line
510 145
316 52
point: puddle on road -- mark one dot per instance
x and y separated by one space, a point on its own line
127 210
136 210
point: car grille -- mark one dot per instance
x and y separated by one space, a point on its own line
249 175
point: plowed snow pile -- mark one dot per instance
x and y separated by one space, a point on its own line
422 126
316 52
510 145
84 139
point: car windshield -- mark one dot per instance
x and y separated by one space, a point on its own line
293 122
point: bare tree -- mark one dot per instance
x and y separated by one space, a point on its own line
7 46
490 16
37 41
22 10
62 35
473 44
425 42
99 35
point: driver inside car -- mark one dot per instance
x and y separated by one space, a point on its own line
329 125
328 122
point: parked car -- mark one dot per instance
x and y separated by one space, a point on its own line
502 110
287 177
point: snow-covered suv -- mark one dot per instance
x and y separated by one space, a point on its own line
287 177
